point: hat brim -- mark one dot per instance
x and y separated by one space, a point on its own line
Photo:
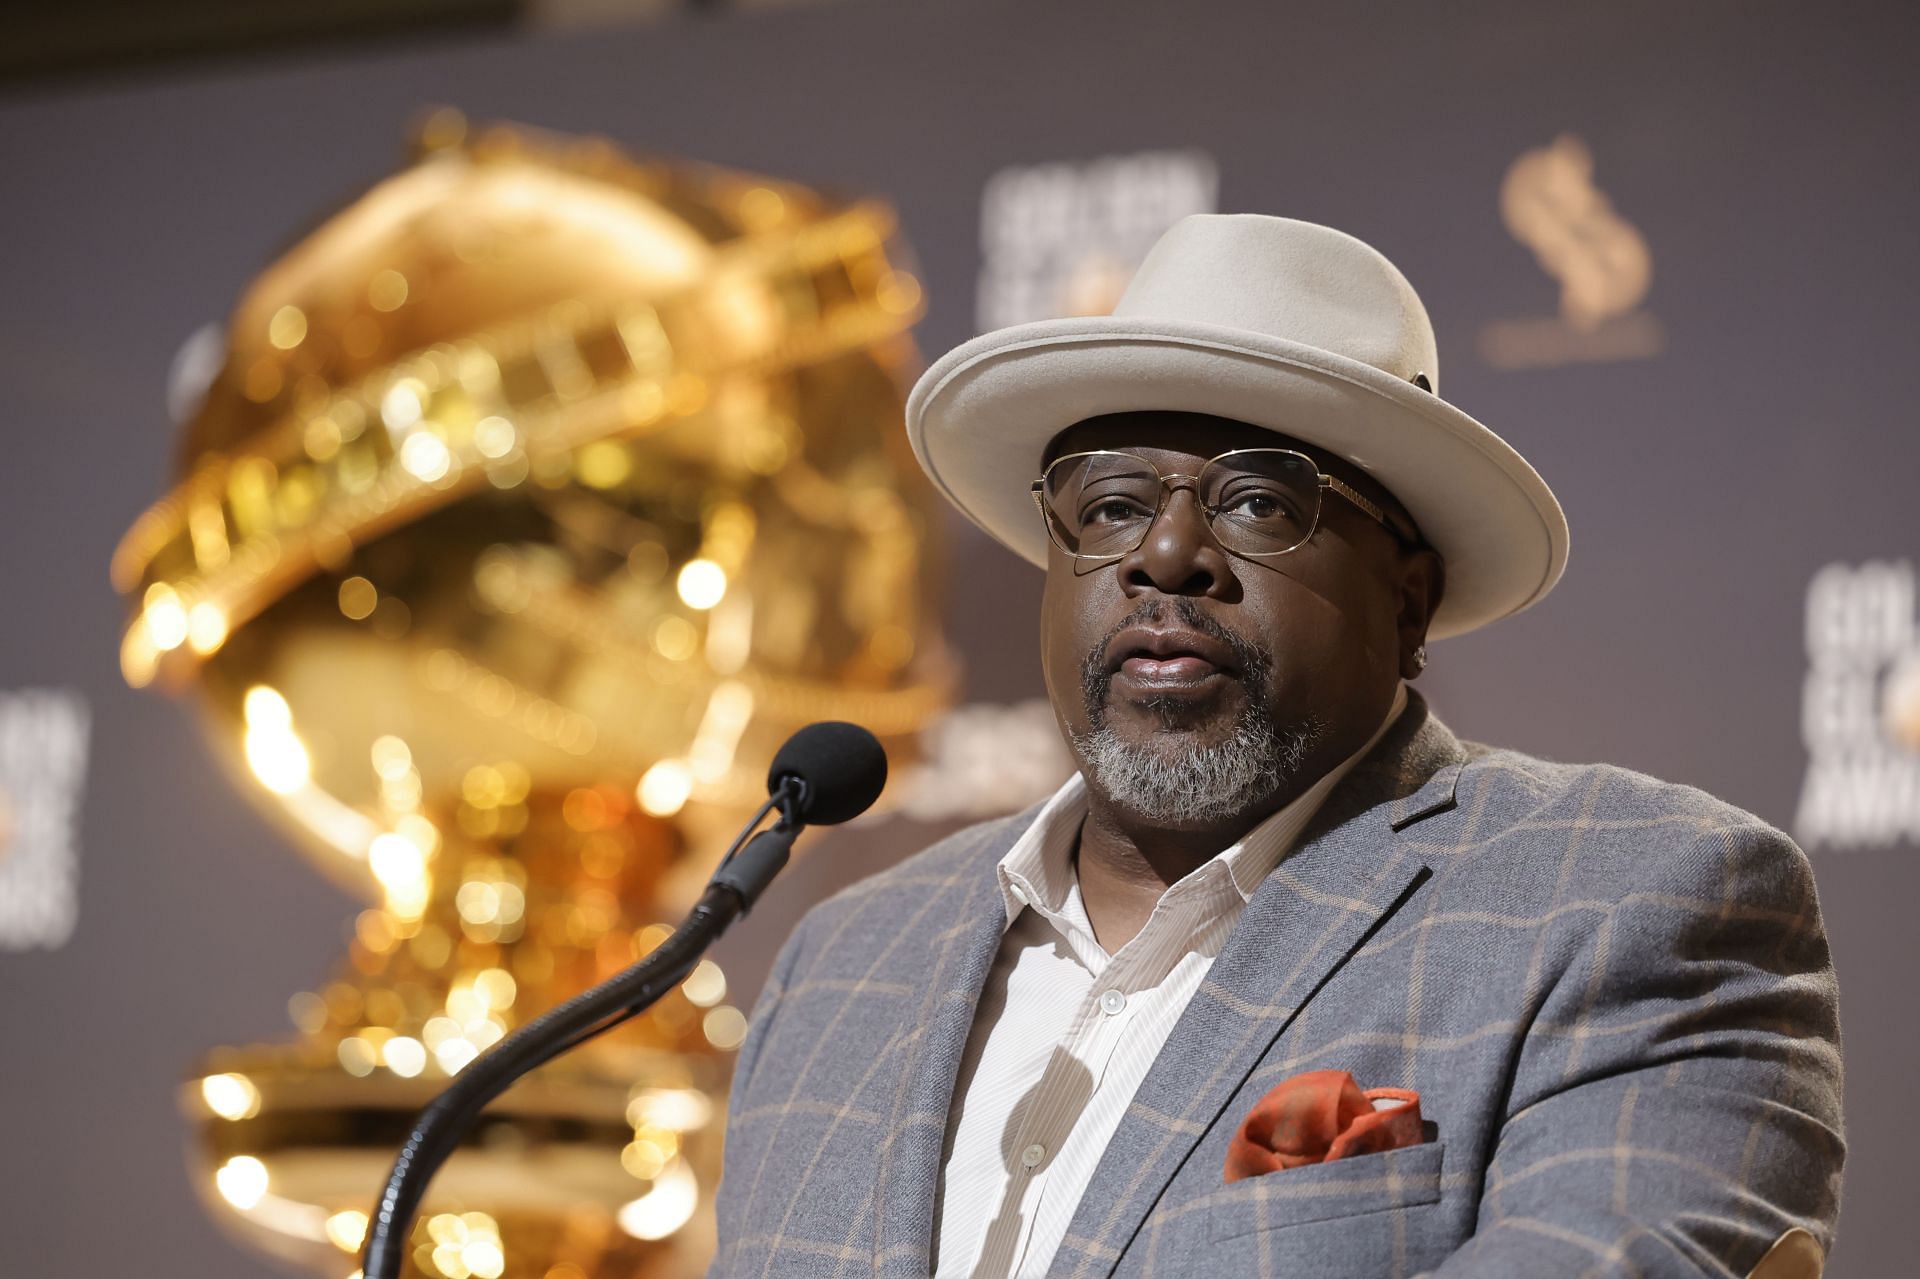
980 419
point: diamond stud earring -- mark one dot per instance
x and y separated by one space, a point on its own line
1420 658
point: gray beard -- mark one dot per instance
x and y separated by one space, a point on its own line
1168 780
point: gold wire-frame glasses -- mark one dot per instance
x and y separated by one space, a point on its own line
1259 503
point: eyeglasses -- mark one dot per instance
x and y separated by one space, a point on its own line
1258 502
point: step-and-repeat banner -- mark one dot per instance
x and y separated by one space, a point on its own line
1668 252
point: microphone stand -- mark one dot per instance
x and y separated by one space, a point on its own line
743 874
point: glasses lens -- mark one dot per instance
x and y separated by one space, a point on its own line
1264 501
1100 503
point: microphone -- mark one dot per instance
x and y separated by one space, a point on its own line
839 766
825 774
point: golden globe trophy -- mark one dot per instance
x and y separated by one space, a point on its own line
542 493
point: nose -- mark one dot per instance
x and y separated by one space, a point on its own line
1179 555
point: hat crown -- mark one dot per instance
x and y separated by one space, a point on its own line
1287 279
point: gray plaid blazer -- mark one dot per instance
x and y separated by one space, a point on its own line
1613 995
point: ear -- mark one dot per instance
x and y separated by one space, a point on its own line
1421 582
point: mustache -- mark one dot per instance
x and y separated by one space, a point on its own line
1095 678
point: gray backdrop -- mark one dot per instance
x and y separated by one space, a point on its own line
1763 153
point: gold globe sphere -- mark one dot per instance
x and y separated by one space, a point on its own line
542 492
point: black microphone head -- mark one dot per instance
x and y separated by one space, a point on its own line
843 766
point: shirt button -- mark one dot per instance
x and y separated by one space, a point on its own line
1112 1002
1032 1155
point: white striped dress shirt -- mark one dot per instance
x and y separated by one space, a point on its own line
1065 1032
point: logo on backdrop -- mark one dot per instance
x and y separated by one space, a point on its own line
43 762
1860 709
1549 203
1064 239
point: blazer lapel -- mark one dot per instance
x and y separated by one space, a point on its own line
1311 913
961 955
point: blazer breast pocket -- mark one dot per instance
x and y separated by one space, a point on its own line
1344 1188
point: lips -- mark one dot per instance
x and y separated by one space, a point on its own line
1168 657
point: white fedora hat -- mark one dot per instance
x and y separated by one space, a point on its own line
1286 325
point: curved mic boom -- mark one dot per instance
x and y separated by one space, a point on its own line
825 773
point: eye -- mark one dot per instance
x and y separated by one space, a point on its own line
1112 510
1260 506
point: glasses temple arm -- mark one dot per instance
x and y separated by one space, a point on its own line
1370 508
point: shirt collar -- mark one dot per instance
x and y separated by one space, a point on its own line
1038 870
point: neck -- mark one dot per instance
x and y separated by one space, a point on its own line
1119 844
1125 862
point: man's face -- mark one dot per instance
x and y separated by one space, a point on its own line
1201 688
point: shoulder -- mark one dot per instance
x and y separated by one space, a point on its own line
1615 889
1609 827
1516 779
947 867
962 854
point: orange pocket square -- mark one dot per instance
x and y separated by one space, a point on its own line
1320 1116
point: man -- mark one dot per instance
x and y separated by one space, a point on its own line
1287 980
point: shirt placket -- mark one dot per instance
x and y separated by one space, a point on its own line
1099 1027
1046 1128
